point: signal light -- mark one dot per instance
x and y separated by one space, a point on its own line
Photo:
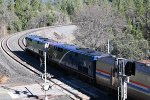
130 68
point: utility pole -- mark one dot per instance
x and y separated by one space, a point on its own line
108 51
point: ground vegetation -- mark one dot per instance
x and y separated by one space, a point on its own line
125 23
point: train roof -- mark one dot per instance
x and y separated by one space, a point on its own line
39 38
74 48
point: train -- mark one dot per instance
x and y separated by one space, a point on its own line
93 65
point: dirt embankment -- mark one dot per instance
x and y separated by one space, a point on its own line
63 34
3 79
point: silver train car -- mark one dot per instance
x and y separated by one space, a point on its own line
94 65
139 86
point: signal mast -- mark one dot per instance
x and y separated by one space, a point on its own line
46 85
124 69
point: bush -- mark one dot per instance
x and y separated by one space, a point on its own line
128 47
44 18
10 19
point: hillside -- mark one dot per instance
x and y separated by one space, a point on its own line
125 23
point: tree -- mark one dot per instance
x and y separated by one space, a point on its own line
35 4
34 8
130 48
147 20
10 5
44 18
8 18
22 10
137 16
43 6
69 6
98 23
124 26
1 1
49 5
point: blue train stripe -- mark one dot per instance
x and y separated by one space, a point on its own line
139 88
103 74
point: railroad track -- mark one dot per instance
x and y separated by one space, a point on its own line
8 51
39 71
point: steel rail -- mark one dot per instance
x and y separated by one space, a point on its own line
20 60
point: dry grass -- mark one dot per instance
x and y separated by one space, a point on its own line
3 79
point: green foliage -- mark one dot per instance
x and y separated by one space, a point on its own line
23 14
34 8
128 47
130 41
44 18
42 7
51 19
88 2
70 6
22 8
1 1
49 5
35 4
137 16
17 25
8 18
10 5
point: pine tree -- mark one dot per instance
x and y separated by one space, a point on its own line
22 10
70 6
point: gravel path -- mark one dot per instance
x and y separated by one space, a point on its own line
20 75
16 73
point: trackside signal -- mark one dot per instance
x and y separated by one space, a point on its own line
130 68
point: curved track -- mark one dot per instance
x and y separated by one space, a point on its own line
8 48
5 44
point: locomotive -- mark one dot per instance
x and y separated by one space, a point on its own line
94 65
